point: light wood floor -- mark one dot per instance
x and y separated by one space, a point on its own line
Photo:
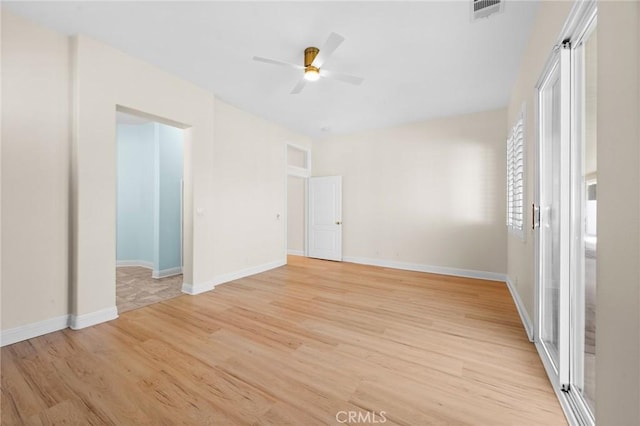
135 288
295 345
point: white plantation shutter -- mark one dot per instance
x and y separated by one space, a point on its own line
515 179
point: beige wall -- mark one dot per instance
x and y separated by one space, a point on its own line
548 24
35 173
249 184
234 172
104 79
429 193
618 273
59 258
295 213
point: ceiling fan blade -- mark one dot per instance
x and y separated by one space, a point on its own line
276 62
298 88
327 49
341 77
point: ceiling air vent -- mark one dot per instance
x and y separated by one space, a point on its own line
484 8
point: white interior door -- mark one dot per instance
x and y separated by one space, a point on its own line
325 217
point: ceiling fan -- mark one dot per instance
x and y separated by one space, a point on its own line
314 58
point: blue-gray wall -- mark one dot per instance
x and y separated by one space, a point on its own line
149 195
169 202
135 207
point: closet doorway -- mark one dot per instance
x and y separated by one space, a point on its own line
297 174
149 210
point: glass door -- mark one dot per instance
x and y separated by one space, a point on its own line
554 214
566 203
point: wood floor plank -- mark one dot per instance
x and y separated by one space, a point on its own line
295 345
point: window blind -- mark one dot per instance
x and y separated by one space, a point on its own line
515 178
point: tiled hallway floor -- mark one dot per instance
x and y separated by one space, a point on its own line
136 288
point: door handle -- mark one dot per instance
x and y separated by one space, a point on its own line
535 216
338 222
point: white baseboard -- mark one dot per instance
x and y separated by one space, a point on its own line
231 276
93 318
29 331
139 263
194 289
164 273
522 311
441 270
295 252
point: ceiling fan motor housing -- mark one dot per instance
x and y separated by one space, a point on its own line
310 54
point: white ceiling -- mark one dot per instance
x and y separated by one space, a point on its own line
419 59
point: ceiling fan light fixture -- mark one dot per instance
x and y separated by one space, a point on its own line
314 60
311 73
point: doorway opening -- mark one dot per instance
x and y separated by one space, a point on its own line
298 160
149 211
296 212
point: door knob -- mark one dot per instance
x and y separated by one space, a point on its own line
338 222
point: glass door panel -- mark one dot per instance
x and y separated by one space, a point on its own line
549 214
554 205
585 229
